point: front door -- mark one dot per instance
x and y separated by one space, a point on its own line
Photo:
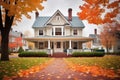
58 46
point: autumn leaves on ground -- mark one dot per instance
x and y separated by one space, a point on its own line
107 66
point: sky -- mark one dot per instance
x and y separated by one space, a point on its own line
50 7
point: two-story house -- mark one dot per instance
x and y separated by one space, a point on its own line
58 33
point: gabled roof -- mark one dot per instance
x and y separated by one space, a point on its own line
42 21
52 17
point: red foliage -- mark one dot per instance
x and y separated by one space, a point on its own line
16 43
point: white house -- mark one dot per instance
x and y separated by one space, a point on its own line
58 33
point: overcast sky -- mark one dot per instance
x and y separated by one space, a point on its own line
50 7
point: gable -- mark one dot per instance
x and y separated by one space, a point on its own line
58 19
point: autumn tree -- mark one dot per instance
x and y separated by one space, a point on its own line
99 11
103 12
109 35
10 11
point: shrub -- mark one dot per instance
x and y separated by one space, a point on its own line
33 54
20 50
99 50
88 54
113 53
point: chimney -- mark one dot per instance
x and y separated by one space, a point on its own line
95 31
70 14
36 14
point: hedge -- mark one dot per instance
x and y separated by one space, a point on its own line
88 54
33 54
113 53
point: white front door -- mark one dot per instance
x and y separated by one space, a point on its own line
58 46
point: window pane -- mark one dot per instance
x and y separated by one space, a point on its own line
40 45
58 44
75 32
40 32
58 31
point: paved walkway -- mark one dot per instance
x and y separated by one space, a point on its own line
58 70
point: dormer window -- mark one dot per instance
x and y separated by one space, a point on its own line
40 32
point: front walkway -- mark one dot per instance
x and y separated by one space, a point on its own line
58 70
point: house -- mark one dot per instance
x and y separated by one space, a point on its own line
96 43
15 40
96 40
58 33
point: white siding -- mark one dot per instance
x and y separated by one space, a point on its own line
49 31
59 21
36 32
67 31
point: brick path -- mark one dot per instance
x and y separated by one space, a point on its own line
58 70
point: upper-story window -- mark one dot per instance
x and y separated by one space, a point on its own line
58 31
40 32
75 31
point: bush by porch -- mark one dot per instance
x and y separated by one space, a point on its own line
33 54
88 54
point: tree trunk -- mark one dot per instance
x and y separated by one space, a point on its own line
4 46
107 49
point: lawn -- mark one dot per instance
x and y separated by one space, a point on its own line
107 62
12 67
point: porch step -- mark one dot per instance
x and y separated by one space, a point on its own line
60 54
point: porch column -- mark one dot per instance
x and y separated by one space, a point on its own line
62 31
53 31
70 44
49 44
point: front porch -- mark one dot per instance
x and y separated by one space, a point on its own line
53 44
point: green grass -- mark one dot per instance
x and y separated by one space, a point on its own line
10 68
107 62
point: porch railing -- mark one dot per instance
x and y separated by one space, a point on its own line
49 51
70 51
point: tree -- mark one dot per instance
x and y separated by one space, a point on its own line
103 12
10 11
109 35
99 11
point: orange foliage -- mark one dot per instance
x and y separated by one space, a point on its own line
94 70
18 8
92 11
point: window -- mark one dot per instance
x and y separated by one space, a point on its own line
58 31
58 44
40 45
58 17
75 32
40 32
75 45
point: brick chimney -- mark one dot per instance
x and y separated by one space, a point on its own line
70 14
95 31
36 14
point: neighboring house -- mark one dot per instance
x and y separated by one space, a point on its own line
58 33
97 44
96 40
15 40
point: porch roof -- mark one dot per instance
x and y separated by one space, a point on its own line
58 38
